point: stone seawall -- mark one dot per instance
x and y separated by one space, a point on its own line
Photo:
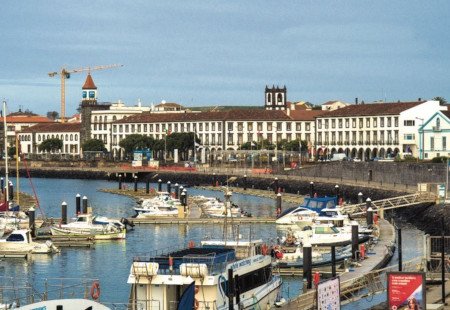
386 172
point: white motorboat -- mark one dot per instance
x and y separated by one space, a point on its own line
215 208
243 248
203 278
162 205
84 225
19 242
300 216
325 235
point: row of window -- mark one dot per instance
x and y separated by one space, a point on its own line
369 122
43 137
444 143
359 136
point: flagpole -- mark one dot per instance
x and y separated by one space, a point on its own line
446 180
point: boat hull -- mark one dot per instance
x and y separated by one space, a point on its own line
94 234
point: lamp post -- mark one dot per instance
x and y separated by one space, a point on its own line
422 149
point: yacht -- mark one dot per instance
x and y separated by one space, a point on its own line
326 235
162 205
305 214
85 225
213 207
221 281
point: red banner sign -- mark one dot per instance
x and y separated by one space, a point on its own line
406 290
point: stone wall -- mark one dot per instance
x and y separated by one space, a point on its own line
386 172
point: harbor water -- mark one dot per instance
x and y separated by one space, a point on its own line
110 261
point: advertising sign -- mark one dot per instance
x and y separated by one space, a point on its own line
406 290
328 295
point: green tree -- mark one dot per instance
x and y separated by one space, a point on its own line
52 115
293 145
11 151
51 145
137 142
93 145
441 100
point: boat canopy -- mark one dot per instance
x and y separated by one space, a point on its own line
319 203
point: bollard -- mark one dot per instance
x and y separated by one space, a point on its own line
275 186
278 210
360 197
400 256
336 192
31 218
11 191
180 190
135 183
368 203
147 186
311 189
78 204
159 185
230 289
214 180
176 191
362 251
185 197
355 240
64 213
85 205
333 261
307 265
169 187
120 181
245 182
2 182
369 216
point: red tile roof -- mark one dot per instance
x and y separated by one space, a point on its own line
369 109
54 127
232 115
89 83
27 119
307 115
446 113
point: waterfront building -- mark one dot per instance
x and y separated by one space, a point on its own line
21 120
69 133
434 135
366 131
334 105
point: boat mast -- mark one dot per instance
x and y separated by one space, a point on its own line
17 171
6 155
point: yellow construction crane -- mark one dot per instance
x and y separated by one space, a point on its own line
65 74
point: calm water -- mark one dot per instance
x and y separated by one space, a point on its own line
110 261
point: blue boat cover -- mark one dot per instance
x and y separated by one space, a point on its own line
187 299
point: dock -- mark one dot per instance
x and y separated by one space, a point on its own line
204 221
73 241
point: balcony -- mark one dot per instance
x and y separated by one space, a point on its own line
360 142
353 142
367 142
346 142
395 142
381 142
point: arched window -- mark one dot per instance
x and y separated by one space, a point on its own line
95 119
269 98
71 137
105 119
438 122
67 137
39 138
114 118
76 137
99 119
280 98
48 137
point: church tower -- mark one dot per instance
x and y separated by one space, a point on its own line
88 104
275 98
89 89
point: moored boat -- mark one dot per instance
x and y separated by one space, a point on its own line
219 279
20 243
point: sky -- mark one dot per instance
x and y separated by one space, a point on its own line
208 53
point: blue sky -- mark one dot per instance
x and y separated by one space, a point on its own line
211 53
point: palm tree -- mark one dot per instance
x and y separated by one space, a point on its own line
441 100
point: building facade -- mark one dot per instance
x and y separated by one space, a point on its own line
434 136
366 131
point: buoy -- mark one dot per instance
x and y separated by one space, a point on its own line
278 254
95 290
362 251
191 244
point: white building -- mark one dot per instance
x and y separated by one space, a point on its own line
373 130
18 121
434 135
334 105
30 138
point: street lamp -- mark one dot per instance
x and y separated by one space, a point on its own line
422 149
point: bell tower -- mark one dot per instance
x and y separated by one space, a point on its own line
89 90
275 98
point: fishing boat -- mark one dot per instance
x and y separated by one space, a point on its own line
84 225
243 248
20 243
202 278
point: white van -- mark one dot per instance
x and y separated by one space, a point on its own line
338 157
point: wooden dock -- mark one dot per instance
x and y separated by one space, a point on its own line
191 221
73 241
